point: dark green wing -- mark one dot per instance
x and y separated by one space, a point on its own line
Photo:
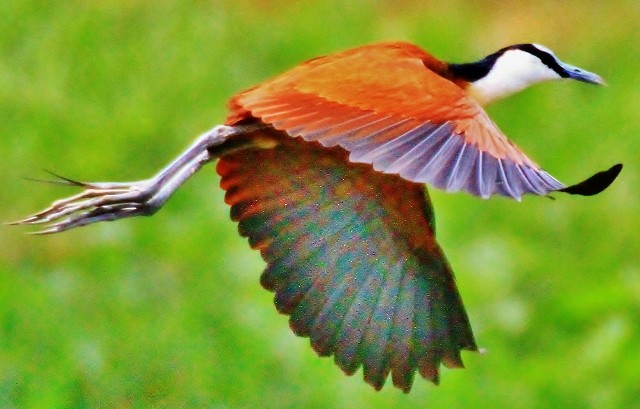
352 258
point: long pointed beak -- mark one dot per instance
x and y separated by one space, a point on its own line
582 75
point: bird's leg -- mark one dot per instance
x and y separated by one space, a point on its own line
106 201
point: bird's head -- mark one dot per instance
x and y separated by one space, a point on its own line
514 68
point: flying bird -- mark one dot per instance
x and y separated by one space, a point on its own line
325 168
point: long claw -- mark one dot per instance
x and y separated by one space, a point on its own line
99 202
65 181
92 216
60 180
88 200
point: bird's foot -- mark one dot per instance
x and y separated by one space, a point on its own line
107 201
98 202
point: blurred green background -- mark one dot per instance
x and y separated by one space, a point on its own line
168 311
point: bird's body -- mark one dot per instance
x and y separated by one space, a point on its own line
324 169
396 107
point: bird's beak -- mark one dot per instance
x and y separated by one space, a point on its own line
582 75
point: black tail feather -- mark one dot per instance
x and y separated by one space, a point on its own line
595 184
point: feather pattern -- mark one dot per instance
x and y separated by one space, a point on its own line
390 105
353 260
347 350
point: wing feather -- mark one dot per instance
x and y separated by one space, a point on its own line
378 333
402 336
410 163
504 184
372 151
438 153
447 162
336 128
329 320
459 173
352 258
347 353
375 100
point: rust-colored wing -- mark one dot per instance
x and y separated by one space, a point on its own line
352 258
389 105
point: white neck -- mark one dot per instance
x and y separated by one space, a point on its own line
513 71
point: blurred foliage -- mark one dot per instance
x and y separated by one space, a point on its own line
168 311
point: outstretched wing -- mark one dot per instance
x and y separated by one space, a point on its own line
352 258
389 105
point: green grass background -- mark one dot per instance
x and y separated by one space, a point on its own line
168 312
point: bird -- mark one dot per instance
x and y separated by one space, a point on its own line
325 169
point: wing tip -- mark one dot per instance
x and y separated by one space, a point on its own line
594 184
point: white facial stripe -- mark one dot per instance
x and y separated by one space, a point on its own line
545 49
513 71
